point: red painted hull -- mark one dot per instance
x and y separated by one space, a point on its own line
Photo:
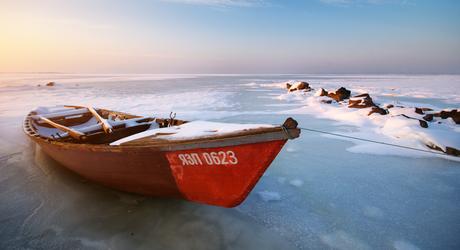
219 172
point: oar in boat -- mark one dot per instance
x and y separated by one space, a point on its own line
105 125
72 132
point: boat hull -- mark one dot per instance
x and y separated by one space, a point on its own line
218 172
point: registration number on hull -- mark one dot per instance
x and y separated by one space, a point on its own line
212 158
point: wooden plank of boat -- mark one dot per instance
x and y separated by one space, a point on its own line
105 125
72 132
219 170
62 114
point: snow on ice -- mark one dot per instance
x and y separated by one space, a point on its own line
402 121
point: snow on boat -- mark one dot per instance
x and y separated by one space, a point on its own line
204 162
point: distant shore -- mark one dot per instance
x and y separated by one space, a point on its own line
34 73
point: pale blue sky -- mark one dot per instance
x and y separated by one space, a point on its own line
230 36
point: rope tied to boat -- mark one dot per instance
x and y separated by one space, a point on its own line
378 142
290 123
287 132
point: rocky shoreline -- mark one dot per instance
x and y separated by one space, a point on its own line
425 117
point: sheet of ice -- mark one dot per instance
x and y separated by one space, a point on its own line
193 130
319 193
8 88
43 79
186 104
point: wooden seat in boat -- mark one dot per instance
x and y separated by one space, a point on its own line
72 122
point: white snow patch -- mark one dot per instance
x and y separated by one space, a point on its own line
269 196
373 212
341 240
296 183
403 245
193 130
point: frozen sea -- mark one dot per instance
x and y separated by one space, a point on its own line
321 192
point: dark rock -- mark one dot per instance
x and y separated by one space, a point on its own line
377 110
361 106
455 116
446 114
344 92
390 106
357 99
419 111
50 84
428 117
423 123
365 95
303 85
323 92
435 147
340 94
361 101
326 101
426 109
336 97
452 151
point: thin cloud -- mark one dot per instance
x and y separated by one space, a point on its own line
227 3
407 3
347 3
77 23
162 56
335 1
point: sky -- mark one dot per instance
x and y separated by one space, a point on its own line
230 36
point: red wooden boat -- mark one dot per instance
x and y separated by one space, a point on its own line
152 156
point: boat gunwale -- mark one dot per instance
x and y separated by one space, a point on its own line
154 143
163 143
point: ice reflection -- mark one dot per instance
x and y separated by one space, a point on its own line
60 210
